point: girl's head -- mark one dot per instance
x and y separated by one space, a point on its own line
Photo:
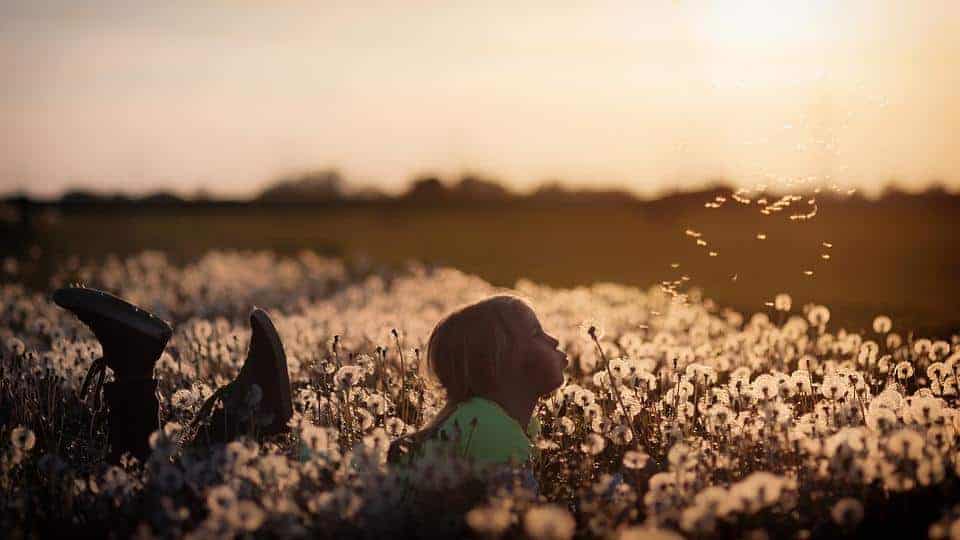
492 346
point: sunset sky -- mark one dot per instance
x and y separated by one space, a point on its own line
647 94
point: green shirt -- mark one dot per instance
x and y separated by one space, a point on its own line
488 434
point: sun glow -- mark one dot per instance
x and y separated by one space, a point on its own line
767 26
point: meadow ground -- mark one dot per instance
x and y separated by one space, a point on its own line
676 418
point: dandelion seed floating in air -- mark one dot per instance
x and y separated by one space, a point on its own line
825 256
713 253
761 236
808 272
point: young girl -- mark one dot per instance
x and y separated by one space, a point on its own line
495 362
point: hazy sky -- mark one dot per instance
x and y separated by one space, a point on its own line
651 94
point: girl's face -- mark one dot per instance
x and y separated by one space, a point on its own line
539 357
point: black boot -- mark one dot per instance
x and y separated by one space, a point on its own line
132 340
133 414
243 413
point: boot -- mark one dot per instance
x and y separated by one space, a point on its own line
132 340
133 414
246 410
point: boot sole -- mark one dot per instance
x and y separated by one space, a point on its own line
85 300
280 358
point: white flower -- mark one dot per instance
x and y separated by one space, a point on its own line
818 315
549 522
348 377
23 438
904 370
396 427
593 444
882 324
489 520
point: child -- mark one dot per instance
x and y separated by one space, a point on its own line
495 362
133 340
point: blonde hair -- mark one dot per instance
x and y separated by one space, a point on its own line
465 353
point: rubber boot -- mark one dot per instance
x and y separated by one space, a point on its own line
133 414
245 412
132 340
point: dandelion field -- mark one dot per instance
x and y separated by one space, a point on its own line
679 417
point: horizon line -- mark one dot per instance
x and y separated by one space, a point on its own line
353 190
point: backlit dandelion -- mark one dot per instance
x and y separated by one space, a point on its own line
746 419
882 324
549 522
22 438
593 444
903 370
489 521
818 315
347 377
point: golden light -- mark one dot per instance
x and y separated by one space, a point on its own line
765 25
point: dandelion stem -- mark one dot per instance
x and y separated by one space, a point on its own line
613 386
403 377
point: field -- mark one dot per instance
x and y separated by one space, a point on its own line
680 418
896 256
691 410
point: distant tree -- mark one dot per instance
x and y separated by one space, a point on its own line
550 191
161 197
202 195
311 186
427 189
555 192
80 196
473 188
368 193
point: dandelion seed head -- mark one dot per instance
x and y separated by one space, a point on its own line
882 324
489 520
549 522
593 444
23 439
